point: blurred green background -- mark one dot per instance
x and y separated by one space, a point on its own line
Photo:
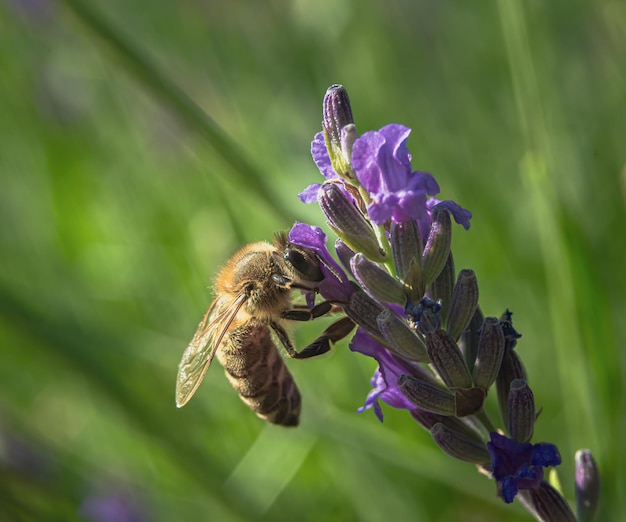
118 202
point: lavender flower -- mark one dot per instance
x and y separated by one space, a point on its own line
385 378
519 466
436 359
382 164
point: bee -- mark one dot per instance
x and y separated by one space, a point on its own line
253 300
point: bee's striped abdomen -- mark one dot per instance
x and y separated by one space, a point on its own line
257 371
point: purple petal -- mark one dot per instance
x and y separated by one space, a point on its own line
461 215
309 194
321 157
385 378
335 286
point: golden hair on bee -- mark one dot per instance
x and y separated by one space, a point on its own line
252 301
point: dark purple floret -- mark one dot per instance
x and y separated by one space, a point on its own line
519 466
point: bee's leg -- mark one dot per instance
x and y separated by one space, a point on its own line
308 314
335 332
285 282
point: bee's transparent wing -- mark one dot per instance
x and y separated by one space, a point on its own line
201 350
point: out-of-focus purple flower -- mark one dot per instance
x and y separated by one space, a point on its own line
112 505
382 164
335 286
519 466
322 160
385 378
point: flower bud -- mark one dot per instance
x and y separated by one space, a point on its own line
521 408
469 401
428 420
546 504
460 446
470 337
401 338
510 369
463 303
364 311
337 112
587 486
437 247
345 254
406 246
348 222
378 283
441 288
427 396
489 354
448 360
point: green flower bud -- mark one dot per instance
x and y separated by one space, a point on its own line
460 446
489 354
546 504
463 304
441 288
448 360
378 283
427 396
406 246
510 369
521 408
348 222
437 247
401 339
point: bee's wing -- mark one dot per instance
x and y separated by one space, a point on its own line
201 350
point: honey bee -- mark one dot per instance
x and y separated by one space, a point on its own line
253 299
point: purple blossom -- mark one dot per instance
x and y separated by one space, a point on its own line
385 378
322 160
461 215
382 164
335 286
519 466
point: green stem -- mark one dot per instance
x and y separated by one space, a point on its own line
486 421
139 64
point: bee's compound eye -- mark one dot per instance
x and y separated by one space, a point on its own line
304 262
297 259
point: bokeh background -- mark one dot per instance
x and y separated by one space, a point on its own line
120 198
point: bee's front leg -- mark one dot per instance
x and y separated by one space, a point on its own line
335 332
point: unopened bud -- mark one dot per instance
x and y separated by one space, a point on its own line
546 504
437 247
364 311
470 338
441 288
406 246
427 396
448 360
348 222
337 112
345 254
587 486
521 408
378 283
401 339
460 446
463 303
489 354
428 420
510 369
337 117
